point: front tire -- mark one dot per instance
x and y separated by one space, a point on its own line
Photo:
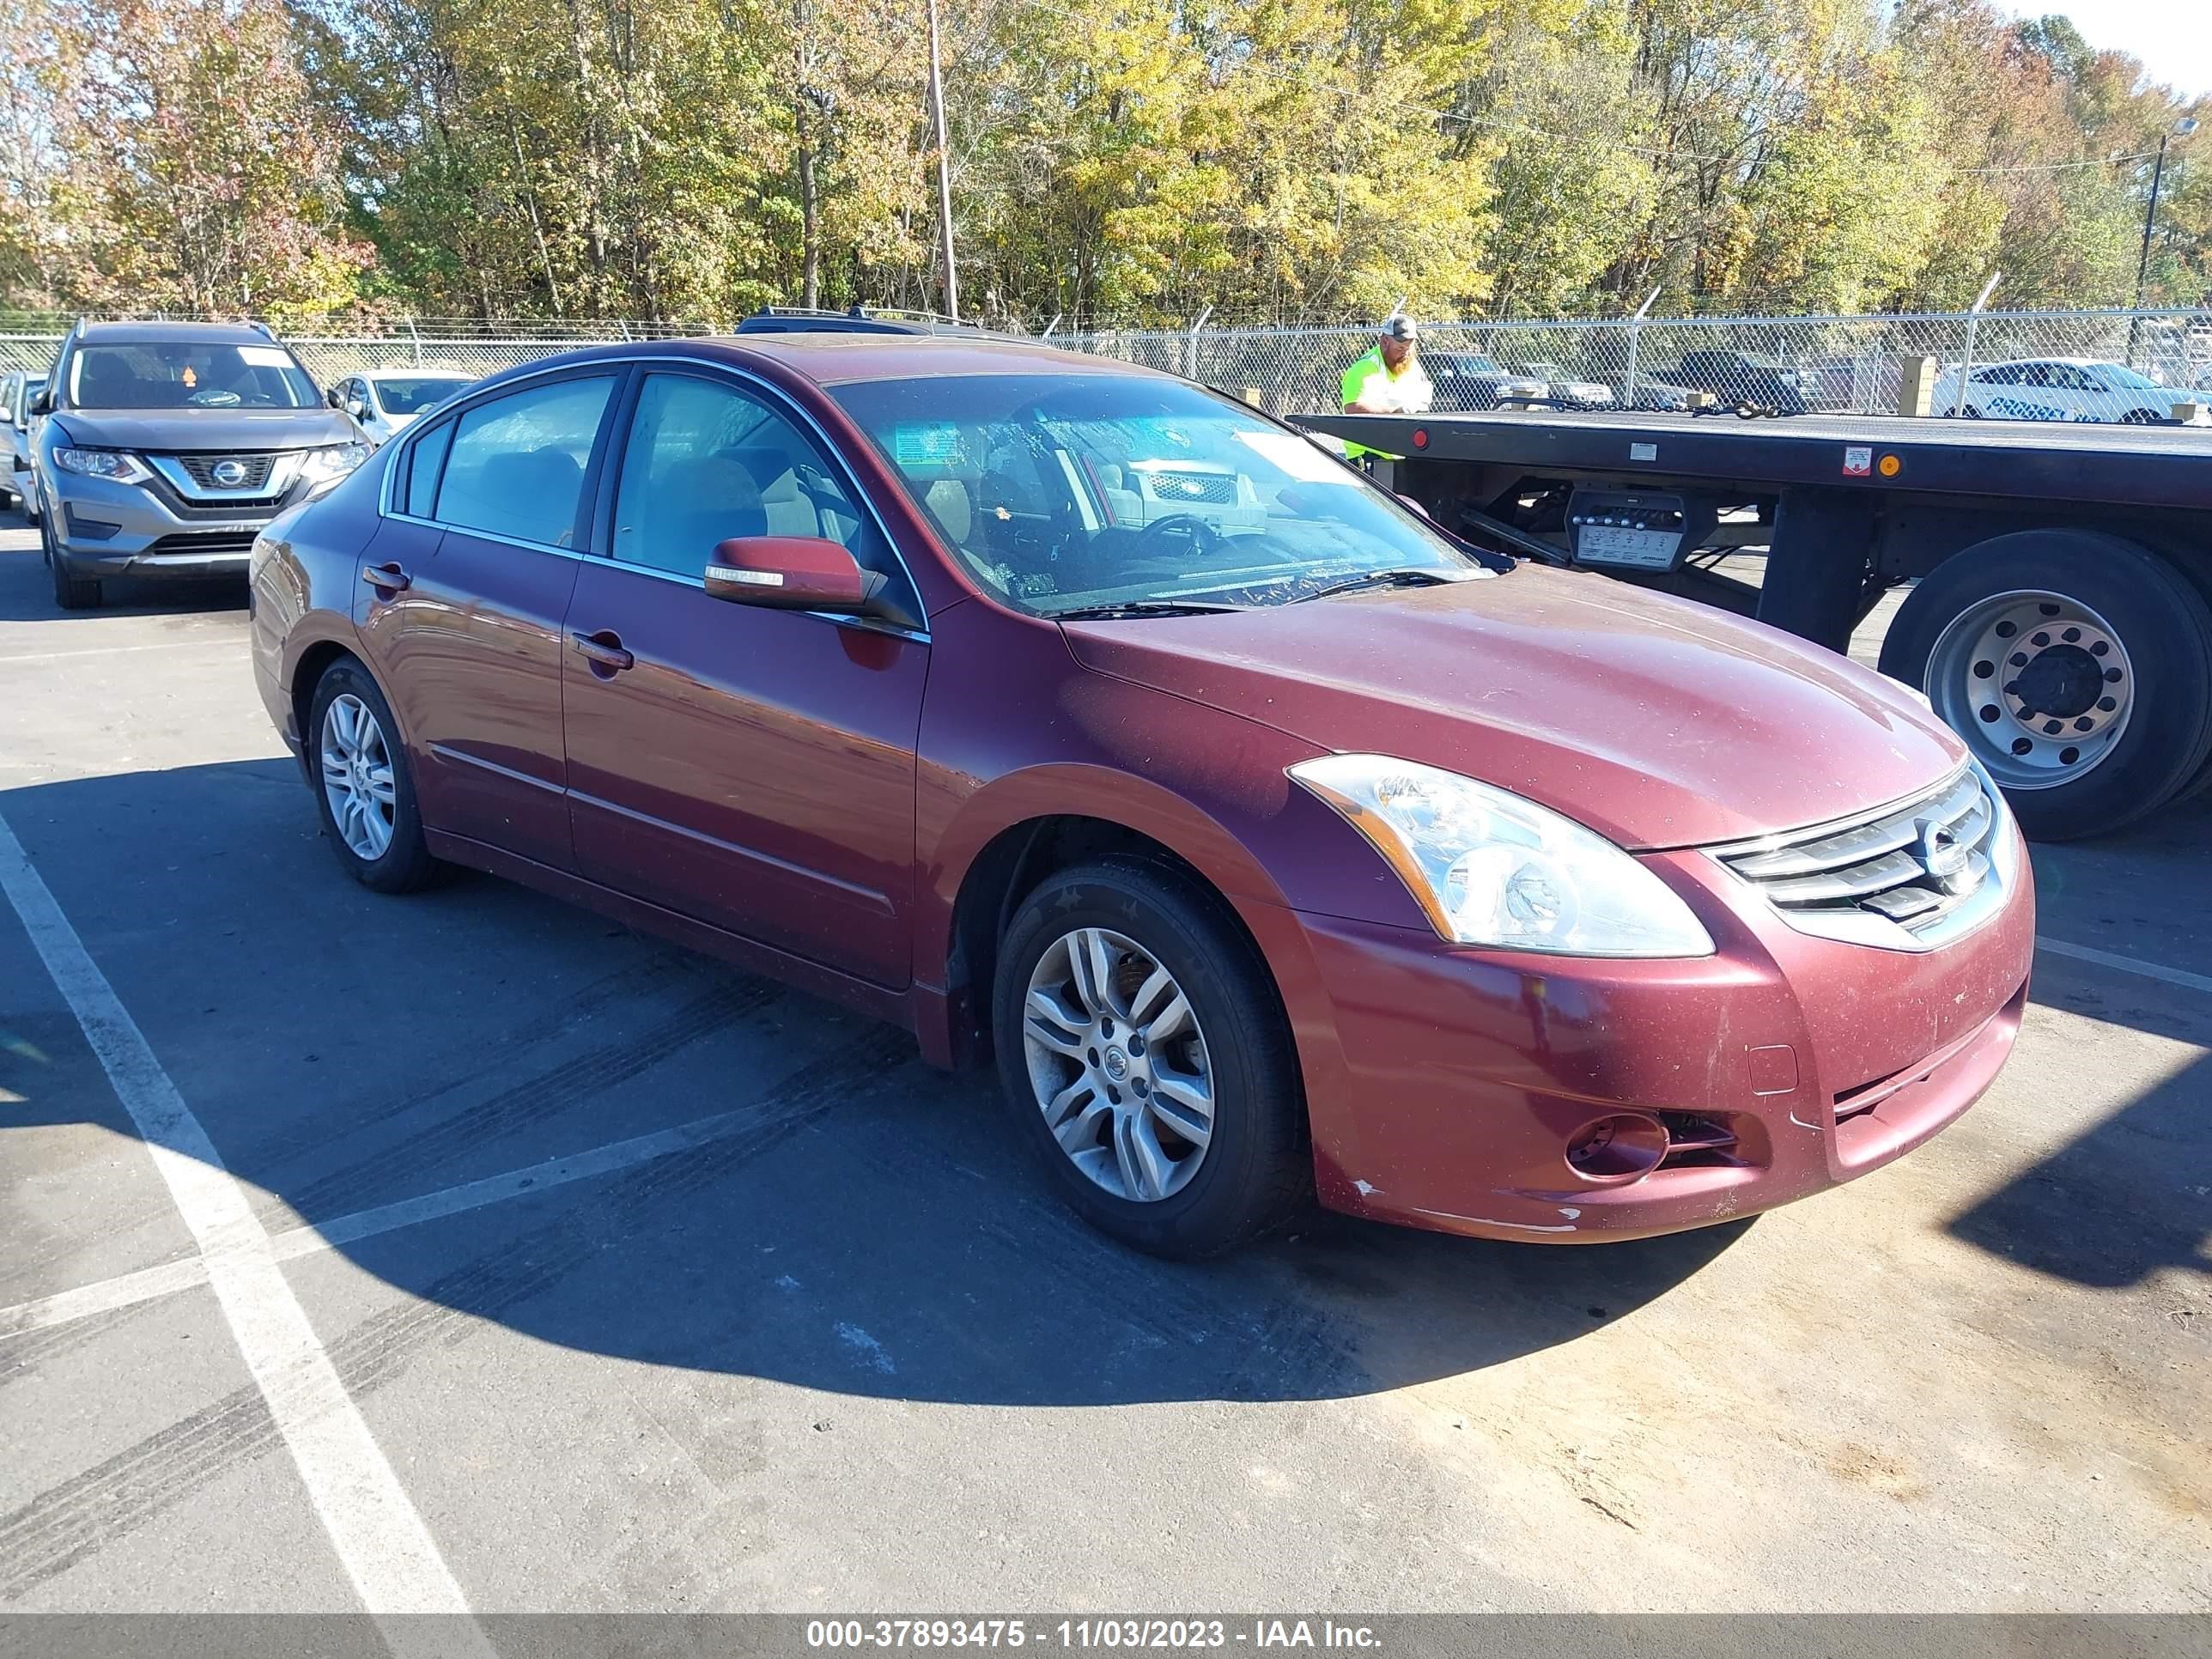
364 788
1147 1063
71 592
2077 665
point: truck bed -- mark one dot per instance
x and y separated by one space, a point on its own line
2127 466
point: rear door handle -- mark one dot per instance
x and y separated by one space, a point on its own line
603 650
389 577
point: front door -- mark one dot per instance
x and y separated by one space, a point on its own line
751 769
464 593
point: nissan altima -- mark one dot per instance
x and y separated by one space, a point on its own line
1270 843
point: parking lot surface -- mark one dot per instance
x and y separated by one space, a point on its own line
634 1283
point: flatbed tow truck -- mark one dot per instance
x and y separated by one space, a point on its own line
2060 616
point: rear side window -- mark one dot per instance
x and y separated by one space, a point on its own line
515 465
423 461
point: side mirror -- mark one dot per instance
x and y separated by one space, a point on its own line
791 573
358 409
331 397
44 402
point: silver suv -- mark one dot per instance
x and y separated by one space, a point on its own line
161 449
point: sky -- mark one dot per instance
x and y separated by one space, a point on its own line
2174 38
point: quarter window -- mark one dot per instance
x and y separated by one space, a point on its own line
423 461
706 462
516 466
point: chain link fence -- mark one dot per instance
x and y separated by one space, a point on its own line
1845 365
1841 365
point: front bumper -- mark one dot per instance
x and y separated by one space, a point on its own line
1443 1085
102 528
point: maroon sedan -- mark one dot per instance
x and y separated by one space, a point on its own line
1070 715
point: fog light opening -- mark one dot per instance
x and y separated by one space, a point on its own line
1617 1150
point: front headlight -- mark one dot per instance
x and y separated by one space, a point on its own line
324 468
108 464
1490 868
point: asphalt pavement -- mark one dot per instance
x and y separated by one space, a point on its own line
624 1281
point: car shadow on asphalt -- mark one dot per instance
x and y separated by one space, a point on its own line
864 1224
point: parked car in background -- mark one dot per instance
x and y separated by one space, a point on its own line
19 390
383 401
1565 389
1471 380
163 447
2057 389
844 658
1664 396
1741 377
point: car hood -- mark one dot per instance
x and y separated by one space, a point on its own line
182 431
1655 721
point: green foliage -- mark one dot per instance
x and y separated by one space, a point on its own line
1130 160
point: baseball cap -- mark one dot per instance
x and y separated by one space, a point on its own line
1400 326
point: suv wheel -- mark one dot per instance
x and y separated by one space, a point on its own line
1147 1061
362 784
71 592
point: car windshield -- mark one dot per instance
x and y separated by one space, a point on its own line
188 374
413 394
2127 379
1073 492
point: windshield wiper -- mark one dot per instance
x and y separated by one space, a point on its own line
1412 577
1142 608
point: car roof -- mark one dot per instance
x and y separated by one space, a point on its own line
145 333
844 359
390 373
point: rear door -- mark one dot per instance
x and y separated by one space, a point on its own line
464 592
751 769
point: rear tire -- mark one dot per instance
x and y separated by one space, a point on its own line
71 592
1222 1064
364 788
2063 594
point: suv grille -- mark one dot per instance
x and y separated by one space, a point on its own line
201 468
1910 867
1216 488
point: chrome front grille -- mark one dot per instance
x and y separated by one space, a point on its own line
1905 878
202 470
1218 489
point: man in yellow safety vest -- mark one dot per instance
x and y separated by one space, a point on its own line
1389 380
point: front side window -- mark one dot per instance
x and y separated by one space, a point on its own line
188 374
1066 492
516 464
409 395
706 462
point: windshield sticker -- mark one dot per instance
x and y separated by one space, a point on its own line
1297 456
925 443
265 356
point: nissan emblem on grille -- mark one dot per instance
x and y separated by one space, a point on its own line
1948 860
230 474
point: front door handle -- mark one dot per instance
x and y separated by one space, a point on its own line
388 577
603 650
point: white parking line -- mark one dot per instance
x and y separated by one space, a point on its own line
148 1283
386 1549
114 650
2180 977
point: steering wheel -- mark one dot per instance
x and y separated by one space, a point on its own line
1203 536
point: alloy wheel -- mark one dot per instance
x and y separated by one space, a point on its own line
358 777
1118 1065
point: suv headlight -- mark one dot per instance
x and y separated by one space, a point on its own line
110 464
1490 868
323 468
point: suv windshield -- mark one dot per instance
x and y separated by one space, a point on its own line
412 397
1068 492
188 374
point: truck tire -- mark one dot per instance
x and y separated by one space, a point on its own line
2077 665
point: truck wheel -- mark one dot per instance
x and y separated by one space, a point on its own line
2077 665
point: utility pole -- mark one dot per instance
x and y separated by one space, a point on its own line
944 172
2182 129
